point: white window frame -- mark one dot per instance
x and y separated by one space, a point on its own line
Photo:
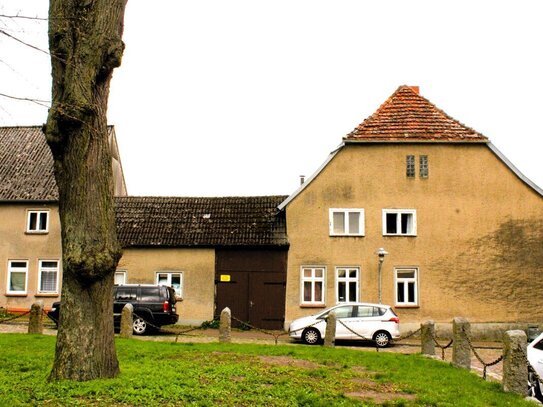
405 282
346 280
399 212
312 279
41 269
346 211
169 273
120 273
37 213
11 270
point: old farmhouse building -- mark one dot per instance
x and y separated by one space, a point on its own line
458 227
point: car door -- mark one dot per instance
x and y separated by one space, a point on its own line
362 322
343 315
123 295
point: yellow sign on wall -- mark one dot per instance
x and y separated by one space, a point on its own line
225 278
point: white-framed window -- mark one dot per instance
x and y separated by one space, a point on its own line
37 221
173 279
313 286
48 276
399 222
347 284
17 276
346 221
406 286
120 277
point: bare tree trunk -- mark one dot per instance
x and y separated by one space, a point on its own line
85 45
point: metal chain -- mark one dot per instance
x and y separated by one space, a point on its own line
485 365
275 335
442 347
14 317
411 334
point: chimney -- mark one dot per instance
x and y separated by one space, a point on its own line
415 89
302 179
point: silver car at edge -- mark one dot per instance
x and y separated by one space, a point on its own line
535 358
355 321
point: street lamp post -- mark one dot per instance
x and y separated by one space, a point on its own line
381 253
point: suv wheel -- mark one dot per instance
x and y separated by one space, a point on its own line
139 326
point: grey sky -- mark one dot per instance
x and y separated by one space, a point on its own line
241 97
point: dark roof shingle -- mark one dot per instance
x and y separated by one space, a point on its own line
26 165
407 116
187 222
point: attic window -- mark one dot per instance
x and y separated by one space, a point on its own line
423 162
410 166
37 222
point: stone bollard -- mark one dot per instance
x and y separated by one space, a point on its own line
515 372
225 327
127 321
427 334
35 320
330 334
461 354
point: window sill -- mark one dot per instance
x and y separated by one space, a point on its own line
16 295
46 295
391 235
406 306
346 235
36 233
312 306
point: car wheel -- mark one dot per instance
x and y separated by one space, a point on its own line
534 387
311 336
139 326
382 339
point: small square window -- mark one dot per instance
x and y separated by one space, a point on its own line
172 279
37 222
399 222
346 222
120 277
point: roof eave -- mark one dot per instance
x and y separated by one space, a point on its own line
410 140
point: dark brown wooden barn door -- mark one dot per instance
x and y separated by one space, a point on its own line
234 295
267 300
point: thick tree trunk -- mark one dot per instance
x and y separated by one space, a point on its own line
85 45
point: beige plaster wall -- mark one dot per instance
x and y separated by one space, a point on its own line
197 266
479 238
16 244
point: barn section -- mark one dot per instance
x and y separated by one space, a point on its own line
229 251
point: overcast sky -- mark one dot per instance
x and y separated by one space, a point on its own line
219 98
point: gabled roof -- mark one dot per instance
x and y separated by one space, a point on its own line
203 222
407 116
26 165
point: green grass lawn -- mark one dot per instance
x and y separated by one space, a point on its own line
175 374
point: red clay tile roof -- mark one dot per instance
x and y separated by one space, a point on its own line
26 165
407 116
203 222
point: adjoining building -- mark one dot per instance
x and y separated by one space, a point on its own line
413 209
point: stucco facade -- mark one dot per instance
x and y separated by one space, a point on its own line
196 267
474 248
18 245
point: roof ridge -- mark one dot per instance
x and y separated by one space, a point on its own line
408 116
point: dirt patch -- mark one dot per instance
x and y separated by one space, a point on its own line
288 361
379 397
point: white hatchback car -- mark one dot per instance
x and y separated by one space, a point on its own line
535 358
355 321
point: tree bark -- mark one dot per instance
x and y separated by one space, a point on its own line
85 45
